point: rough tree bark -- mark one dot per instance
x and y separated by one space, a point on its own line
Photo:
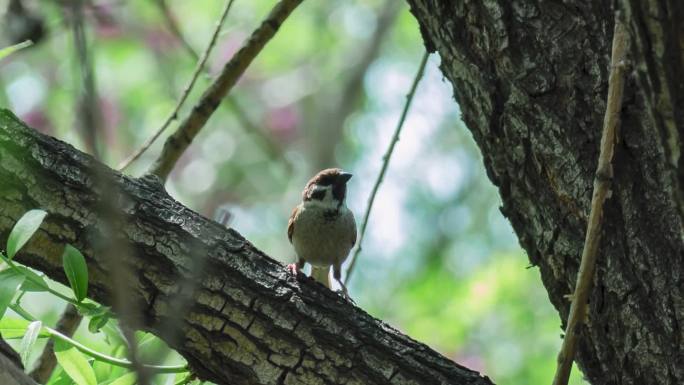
247 320
531 79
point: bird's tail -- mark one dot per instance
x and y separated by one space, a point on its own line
321 274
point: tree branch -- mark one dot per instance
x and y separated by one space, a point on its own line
265 140
249 320
602 181
198 68
179 141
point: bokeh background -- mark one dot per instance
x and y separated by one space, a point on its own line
439 261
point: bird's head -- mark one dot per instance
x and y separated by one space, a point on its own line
328 188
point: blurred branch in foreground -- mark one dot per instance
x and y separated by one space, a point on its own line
87 113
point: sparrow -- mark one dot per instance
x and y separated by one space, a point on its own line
322 229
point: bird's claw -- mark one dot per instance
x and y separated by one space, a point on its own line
292 268
344 293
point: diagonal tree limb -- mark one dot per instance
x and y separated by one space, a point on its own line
269 145
602 182
250 322
178 142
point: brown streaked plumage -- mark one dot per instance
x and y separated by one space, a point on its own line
321 228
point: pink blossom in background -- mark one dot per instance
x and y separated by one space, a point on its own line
226 46
160 40
111 118
37 119
106 25
283 123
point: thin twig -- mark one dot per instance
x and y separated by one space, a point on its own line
55 334
602 181
186 91
386 159
269 145
178 142
67 325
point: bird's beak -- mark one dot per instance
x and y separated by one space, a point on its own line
344 177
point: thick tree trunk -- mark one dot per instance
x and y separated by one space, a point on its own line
531 79
241 317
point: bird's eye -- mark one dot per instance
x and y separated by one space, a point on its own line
318 194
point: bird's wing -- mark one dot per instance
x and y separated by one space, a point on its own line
291 222
353 238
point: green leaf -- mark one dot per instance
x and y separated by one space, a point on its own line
98 321
10 281
59 377
89 308
32 333
23 230
74 363
114 337
11 328
76 271
33 281
127 379
13 48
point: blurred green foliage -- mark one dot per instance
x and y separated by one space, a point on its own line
440 262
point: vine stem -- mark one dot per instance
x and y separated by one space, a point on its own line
43 285
602 182
385 163
93 353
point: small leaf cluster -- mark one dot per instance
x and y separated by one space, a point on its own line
77 362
